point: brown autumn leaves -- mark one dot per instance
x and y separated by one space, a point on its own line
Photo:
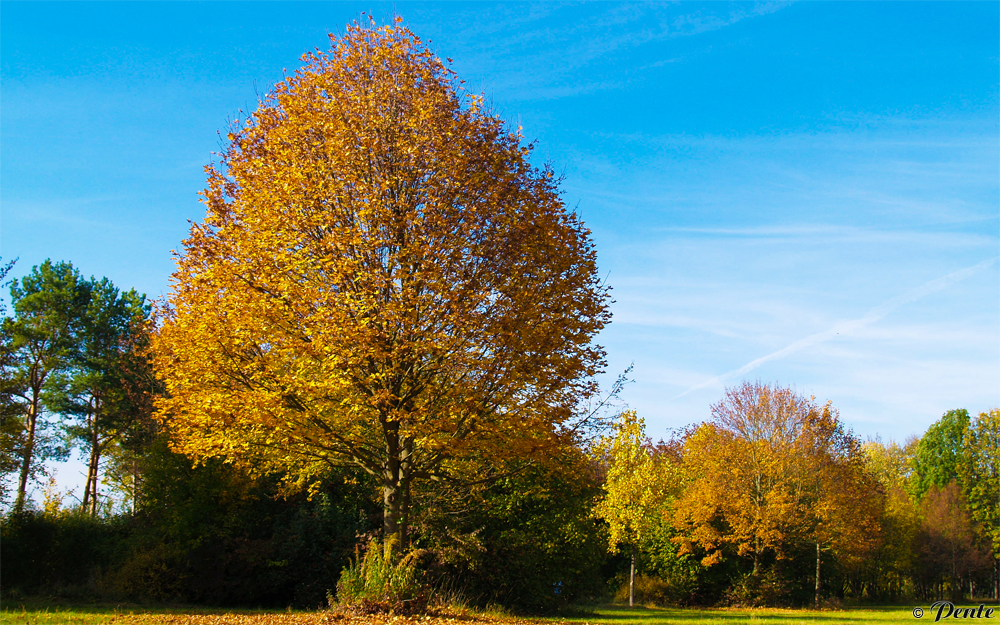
309 618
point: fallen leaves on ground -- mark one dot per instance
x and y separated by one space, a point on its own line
310 618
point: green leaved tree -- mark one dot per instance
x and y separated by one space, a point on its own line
103 389
39 340
980 476
939 453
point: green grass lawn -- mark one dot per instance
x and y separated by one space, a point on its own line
54 616
623 615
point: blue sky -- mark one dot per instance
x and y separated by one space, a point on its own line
804 193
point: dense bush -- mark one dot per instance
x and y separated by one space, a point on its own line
211 535
527 542
205 535
67 553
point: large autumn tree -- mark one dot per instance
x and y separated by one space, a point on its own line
383 279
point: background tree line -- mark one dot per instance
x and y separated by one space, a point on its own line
772 501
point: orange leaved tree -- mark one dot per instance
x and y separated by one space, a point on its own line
382 280
771 472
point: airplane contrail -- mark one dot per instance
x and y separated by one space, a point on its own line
844 327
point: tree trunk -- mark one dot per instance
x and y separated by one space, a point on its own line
89 503
390 512
817 573
392 495
29 447
396 477
996 579
85 502
405 478
631 581
756 556
135 483
95 461
96 448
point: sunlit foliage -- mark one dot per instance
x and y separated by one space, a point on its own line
382 280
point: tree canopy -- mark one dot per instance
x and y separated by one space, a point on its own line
105 390
980 475
636 487
383 279
938 456
770 471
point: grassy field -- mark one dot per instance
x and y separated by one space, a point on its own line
605 615
623 615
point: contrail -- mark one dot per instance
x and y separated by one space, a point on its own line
845 327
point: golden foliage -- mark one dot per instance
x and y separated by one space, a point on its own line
771 471
382 280
637 484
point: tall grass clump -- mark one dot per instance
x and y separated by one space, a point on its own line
381 582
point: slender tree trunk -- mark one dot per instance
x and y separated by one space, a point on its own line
631 581
817 573
135 483
95 466
29 448
96 447
85 502
89 490
756 556
956 581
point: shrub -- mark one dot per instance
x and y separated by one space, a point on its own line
64 554
381 582
648 590
753 591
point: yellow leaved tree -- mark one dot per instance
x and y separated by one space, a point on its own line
383 280
636 486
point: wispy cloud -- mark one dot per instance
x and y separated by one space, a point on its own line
833 233
849 326
557 54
